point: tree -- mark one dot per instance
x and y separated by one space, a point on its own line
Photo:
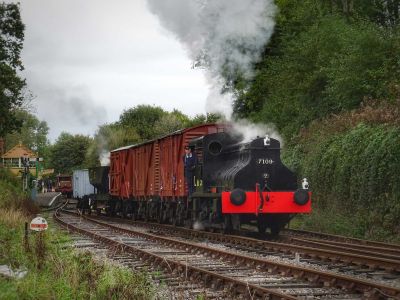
167 124
11 85
204 119
68 152
32 134
107 138
324 58
143 119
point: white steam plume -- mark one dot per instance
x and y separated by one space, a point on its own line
104 157
225 37
102 149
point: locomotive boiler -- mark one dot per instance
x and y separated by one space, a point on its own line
236 182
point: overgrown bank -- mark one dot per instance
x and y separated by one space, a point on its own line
54 270
353 163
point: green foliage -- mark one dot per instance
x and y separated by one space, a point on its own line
139 124
54 269
107 138
152 121
382 12
167 124
68 152
325 57
11 194
64 274
32 134
354 174
11 85
328 69
203 119
143 119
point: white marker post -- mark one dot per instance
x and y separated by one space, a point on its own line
39 224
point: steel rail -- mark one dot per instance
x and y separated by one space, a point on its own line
315 276
373 262
390 252
346 248
339 238
195 273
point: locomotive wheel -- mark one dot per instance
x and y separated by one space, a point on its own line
275 229
261 224
262 227
227 227
188 223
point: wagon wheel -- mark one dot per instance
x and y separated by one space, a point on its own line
125 207
159 210
176 218
165 215
146 213
135 215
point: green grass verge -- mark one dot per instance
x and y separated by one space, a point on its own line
54 269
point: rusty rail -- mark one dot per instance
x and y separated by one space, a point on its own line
343 239
363 258
311 275
209 278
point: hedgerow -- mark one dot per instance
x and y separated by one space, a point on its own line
355 175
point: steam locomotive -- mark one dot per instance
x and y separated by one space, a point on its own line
235 182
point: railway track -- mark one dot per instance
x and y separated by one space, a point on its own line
230 268
297 235
364 264
168 286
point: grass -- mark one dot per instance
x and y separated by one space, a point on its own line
55 270
335 220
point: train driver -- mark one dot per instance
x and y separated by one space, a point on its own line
189 161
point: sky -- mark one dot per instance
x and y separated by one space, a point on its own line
87 61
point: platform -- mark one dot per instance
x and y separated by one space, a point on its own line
47 199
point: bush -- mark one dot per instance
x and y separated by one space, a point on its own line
56 271
354 174
11 195
325 65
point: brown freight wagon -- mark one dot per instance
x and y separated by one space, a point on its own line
146 173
